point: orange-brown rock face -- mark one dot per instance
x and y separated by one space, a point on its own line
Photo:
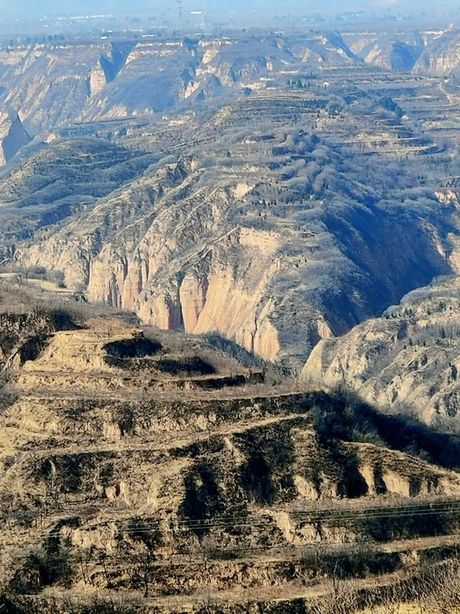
194 246
256 217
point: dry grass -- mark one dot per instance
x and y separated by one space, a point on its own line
433 590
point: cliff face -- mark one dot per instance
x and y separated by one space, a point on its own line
201 277
13 136
388 51
442 56
57 84
408 360
200 248
435 53
48 85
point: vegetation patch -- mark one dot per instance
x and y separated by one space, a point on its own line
202 501
266 475
121 353
189 366
344 416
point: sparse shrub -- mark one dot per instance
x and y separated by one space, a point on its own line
187 366
8 395
267 473
202 501
346 417
232 349
124 353
351 562
404 526
44 567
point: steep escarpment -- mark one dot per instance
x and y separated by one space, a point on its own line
48 85
276 255
407 361
442 55
109 66
277 216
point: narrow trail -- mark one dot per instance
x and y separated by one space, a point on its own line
237 393
286 592
166 444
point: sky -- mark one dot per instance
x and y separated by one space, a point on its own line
20 8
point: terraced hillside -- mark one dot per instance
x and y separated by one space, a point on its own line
272 235
270 199
185 226
120 492
61 179
60 83
278 215
56 84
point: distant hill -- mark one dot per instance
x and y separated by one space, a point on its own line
57 84
277 190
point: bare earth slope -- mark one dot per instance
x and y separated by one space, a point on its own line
270 235
408 360
116 488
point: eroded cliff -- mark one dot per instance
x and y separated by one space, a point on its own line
407 361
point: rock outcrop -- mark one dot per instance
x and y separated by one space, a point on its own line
13 136
406 361
442 56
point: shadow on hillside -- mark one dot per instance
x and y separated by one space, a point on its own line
343 415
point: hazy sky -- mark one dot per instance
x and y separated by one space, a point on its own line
78 7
